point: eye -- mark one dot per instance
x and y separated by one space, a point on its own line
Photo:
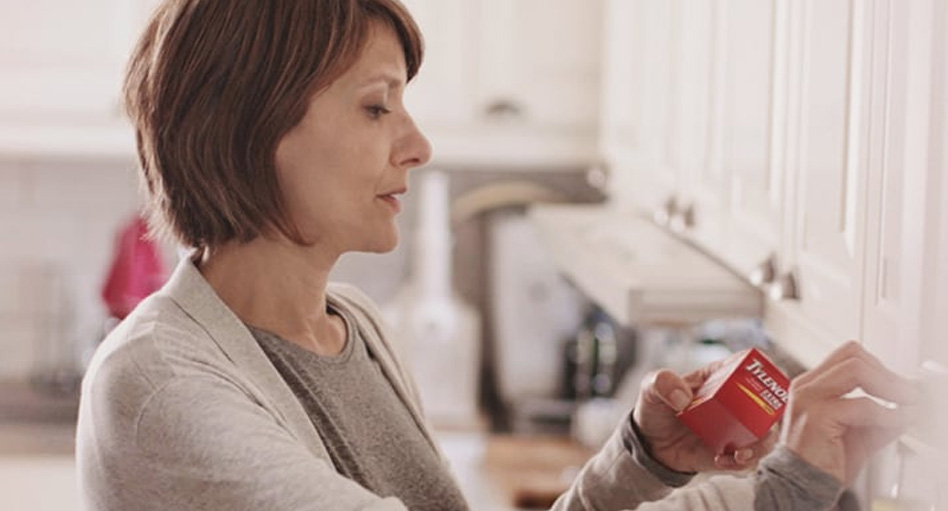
377 111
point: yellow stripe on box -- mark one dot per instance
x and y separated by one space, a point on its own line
757 399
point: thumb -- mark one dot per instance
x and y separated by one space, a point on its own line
666 387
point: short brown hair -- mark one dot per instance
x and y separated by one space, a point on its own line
214 85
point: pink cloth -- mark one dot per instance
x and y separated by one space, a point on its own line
137 269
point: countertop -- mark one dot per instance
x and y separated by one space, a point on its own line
508 473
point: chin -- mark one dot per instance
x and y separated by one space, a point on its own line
383 244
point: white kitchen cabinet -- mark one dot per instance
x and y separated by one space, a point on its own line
827 153
543 57
906 273
752 115
636 107
619 120
63 61
695 133
934 334
62 64
903 185
687 120
444 92
907 241
531 65
797 130
538 57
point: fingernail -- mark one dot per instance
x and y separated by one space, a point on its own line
743 455
679 400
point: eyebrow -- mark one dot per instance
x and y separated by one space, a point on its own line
390 79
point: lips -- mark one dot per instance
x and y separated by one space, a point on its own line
397 191
392 200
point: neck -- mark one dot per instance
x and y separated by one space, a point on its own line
275 285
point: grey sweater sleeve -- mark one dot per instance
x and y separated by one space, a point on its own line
198 443
624 476
632 438
785 482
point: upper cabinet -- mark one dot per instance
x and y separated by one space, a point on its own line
62 64
504 82
828 125
791 140
514 80
634 120
752 89
540 57
906 264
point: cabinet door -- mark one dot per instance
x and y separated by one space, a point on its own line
906 275
443 92
753 118
907 243
539 57
900 185
697 87
542 56
639 62
62 61
827 154
934 346
619 119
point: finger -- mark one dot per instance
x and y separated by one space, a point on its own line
850 349
696 379
666 387
847 350
736 460
854 373
864 412
870 440
746 456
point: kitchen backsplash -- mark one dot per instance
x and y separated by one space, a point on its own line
58 222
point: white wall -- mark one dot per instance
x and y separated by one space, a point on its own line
57 224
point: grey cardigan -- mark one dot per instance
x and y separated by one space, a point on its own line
182 410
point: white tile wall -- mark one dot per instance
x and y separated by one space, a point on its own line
41 483
58 220
11 187
16 347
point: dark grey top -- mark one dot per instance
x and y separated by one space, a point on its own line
370 435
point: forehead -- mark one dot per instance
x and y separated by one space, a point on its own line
382 59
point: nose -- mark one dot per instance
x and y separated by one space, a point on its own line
413 149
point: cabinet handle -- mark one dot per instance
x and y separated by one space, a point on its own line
765 272
683 219
504 108
784 287
598 176
669 210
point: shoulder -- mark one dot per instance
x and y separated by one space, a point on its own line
156 345
157 342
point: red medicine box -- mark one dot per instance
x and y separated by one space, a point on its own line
738 404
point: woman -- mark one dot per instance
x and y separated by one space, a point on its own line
273 139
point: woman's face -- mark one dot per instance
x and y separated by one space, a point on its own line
344 166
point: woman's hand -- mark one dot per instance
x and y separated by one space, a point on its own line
663 395
835 433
